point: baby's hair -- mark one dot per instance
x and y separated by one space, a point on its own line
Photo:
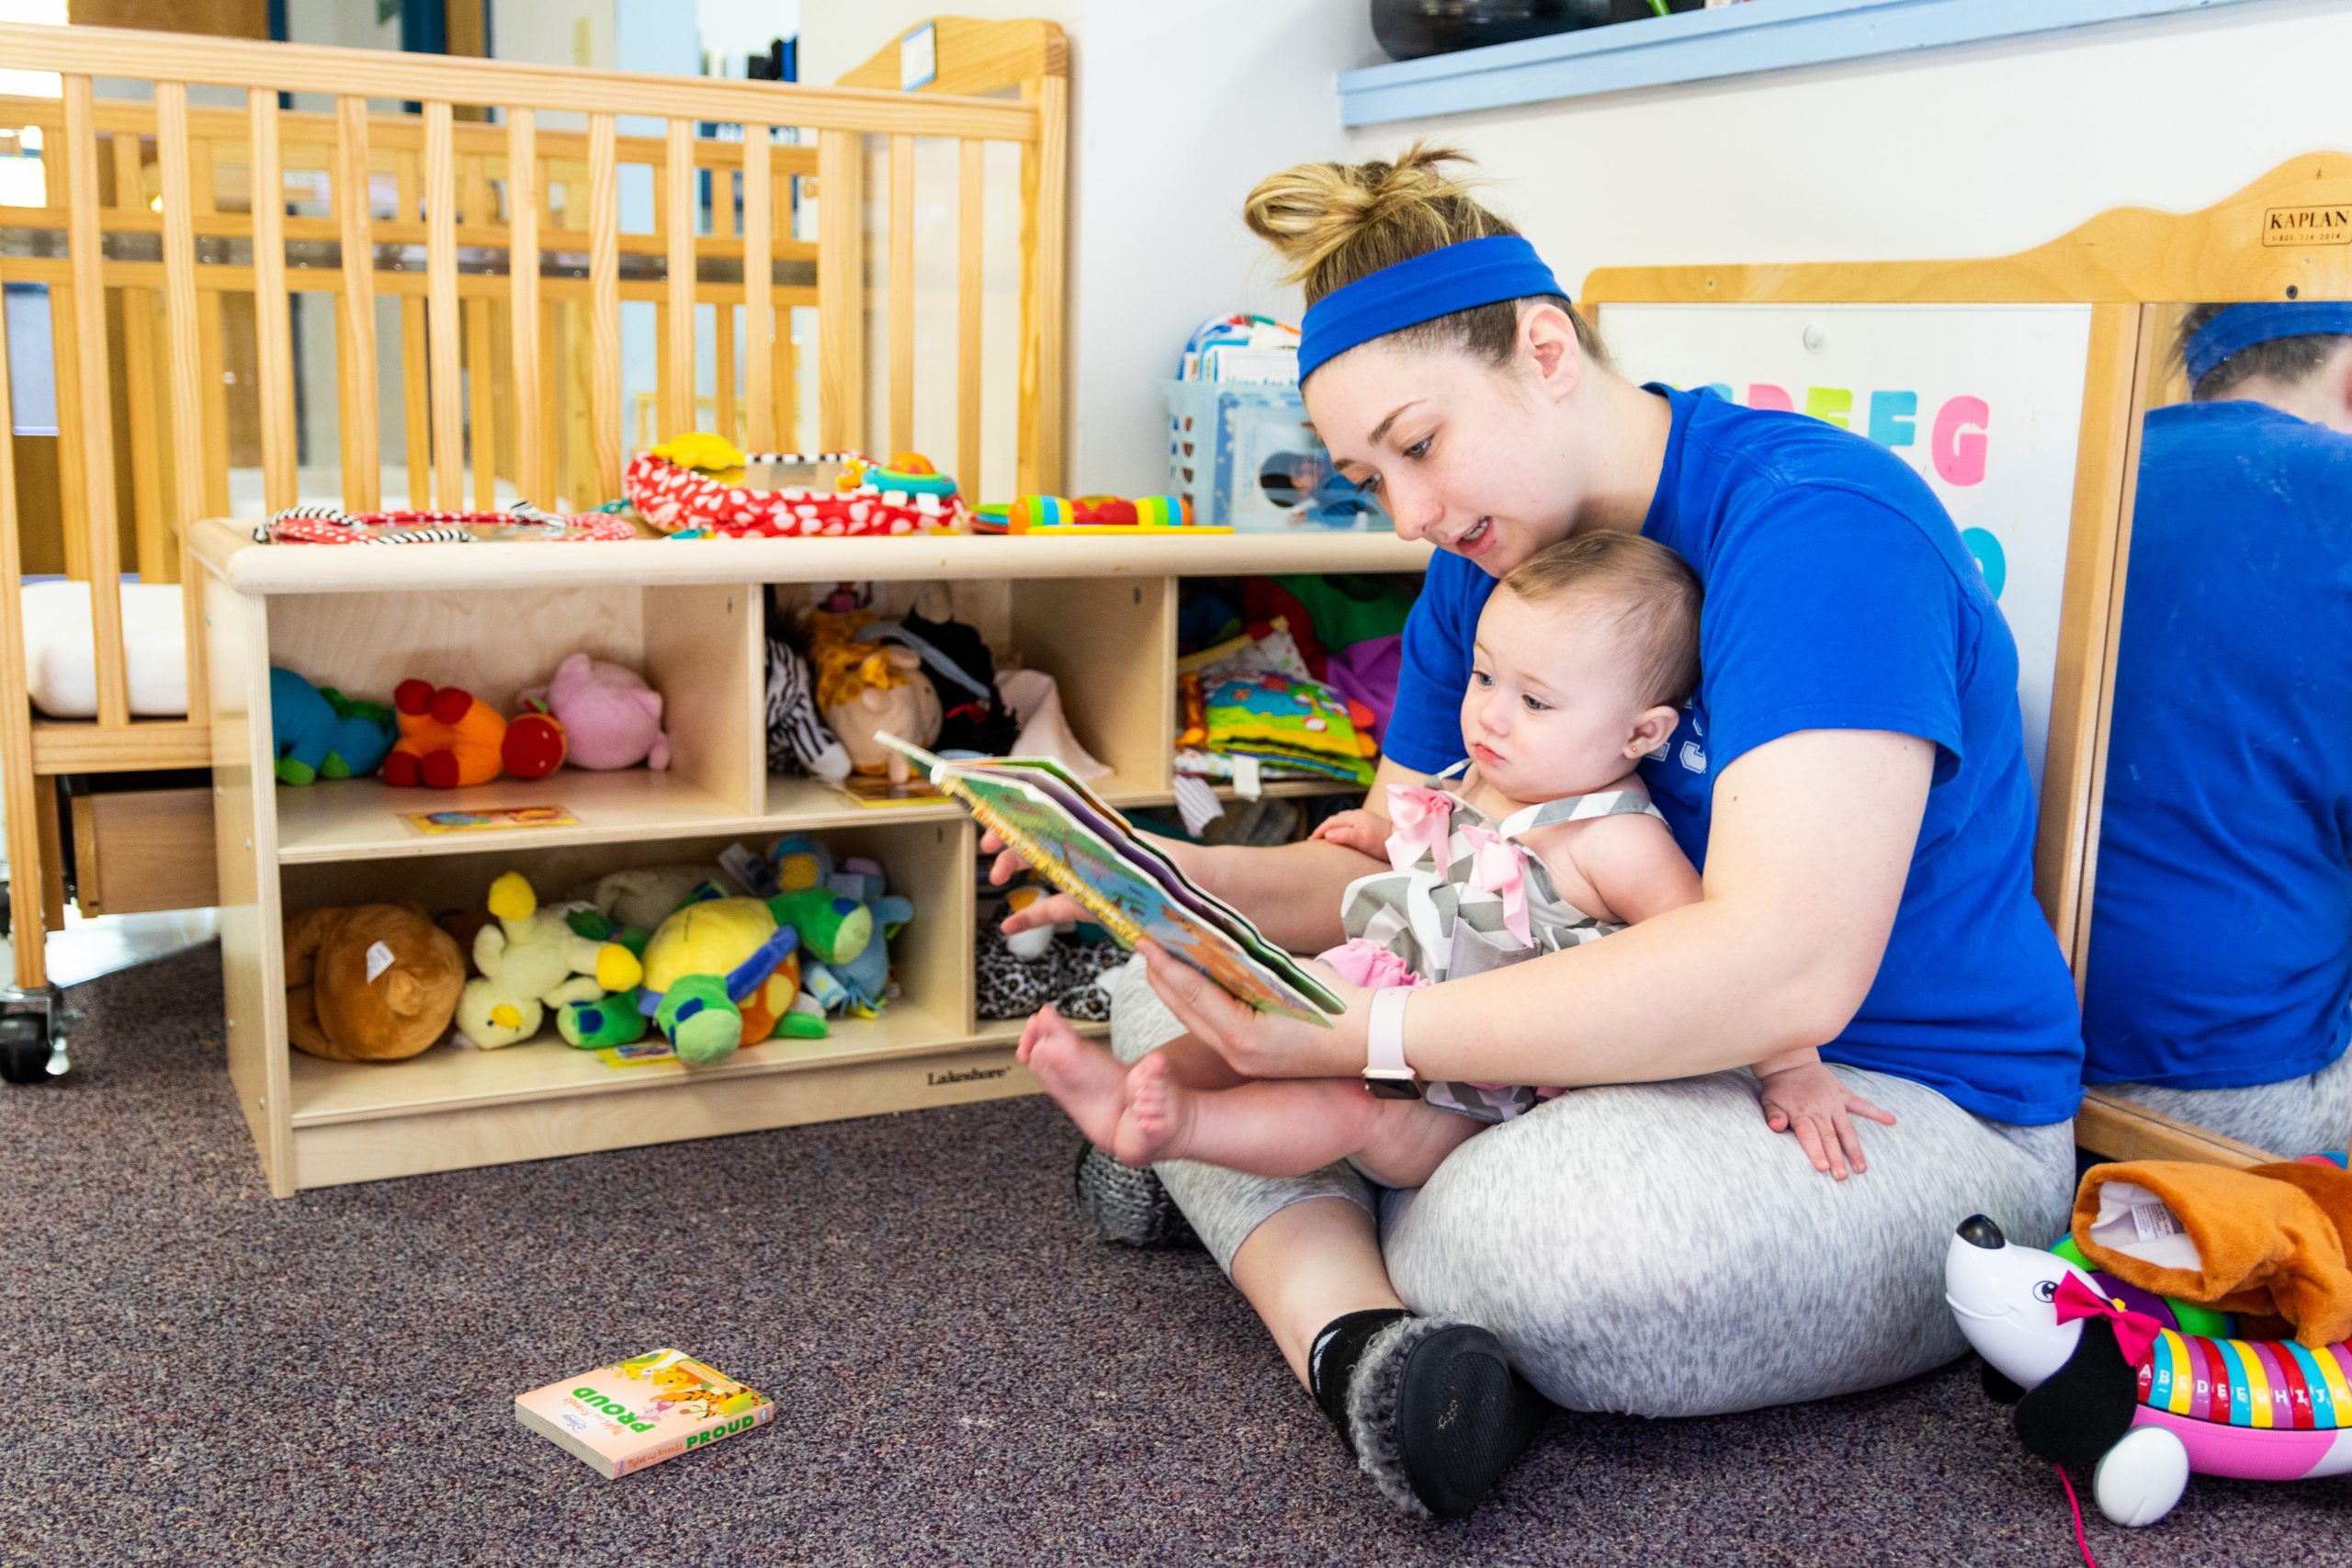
1333 223
1650 594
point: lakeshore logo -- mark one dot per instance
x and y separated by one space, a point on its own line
2307 226
970 1075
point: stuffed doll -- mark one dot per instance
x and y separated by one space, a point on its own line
322 734
611 718
532 959
973 716
862 689
448 738
799 737
724 972
370 982
645 895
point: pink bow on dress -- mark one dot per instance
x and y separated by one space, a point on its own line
2135 1332
1419 822
1495 868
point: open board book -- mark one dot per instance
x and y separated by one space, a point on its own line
1089 850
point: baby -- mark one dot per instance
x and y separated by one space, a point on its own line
1583 657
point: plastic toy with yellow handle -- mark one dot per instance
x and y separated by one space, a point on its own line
531 960
693 486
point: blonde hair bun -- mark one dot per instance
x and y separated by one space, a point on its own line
1332 223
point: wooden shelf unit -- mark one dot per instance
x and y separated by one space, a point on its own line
1099 615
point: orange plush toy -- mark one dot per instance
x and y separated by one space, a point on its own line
450 738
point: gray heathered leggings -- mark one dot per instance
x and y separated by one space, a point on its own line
2309 1115
1654 1249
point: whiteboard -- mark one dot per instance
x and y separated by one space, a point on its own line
1985 402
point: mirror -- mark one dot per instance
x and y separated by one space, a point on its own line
2218 974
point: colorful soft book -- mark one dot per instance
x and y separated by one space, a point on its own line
1086 849
642 1411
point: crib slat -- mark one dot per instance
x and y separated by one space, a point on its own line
447 391
1044 243
94 404
272 334
416 425
722 368
20 787
971 279
362 462
759 301
523 295
604 307
72 501
840 291
678 219
481 388
152 537
903 293
186 355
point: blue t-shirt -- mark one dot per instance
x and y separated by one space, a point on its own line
1839 596
2221 916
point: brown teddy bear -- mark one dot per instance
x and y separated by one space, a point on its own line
370 982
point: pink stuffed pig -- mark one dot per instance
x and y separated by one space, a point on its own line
611 718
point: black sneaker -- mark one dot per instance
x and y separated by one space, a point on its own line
1129 1207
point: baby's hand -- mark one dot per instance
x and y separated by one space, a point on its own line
1361 831
1815 1103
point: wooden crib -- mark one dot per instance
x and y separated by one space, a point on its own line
463 222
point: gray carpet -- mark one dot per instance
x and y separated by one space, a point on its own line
199 1373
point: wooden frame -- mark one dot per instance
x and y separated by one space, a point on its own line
147 202
2289 234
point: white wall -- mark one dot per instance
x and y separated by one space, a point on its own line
1177 109
1978 150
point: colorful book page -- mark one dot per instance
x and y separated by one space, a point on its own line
1090 812
1089 850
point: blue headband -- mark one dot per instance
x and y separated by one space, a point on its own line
1436 283
2243 326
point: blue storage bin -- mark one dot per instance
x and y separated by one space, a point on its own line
1242 452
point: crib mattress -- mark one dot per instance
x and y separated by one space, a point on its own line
61 654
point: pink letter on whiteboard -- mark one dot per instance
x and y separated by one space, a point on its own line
1764 395
1958 443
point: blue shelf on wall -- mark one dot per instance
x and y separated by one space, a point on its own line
1698 45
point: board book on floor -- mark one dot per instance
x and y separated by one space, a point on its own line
1086 849
639 1412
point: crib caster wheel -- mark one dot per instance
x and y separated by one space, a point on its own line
24 1050
2140 1479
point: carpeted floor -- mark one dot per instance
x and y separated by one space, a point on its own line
199 1373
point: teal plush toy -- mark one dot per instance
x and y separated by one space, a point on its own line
322 734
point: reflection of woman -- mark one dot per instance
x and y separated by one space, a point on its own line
1849 779
2221 955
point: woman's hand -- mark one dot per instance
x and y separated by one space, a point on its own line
1053 909
1257 1044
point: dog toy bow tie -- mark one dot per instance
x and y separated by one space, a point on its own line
2135 1332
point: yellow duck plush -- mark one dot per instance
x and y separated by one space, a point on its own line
531 960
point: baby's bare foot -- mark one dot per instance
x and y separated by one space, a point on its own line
1084 1079
1157 1117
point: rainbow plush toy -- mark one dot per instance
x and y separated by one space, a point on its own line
1091 514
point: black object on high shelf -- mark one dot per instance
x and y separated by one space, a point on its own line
1408 29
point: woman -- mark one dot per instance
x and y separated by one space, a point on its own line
1850 781
2228 761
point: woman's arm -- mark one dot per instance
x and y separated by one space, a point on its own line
1290 891
1810 847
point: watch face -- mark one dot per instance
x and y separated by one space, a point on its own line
1392 1088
